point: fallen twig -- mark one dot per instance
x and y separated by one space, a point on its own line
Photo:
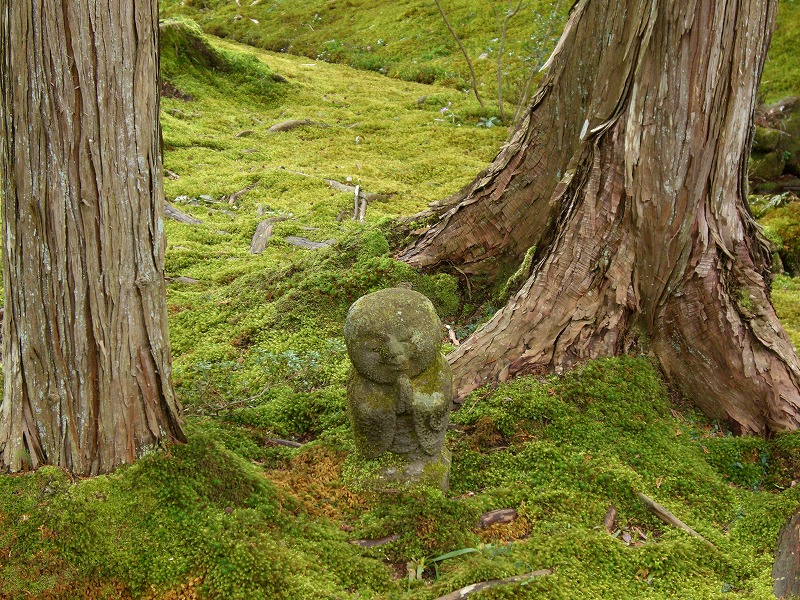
263 233
289 125
373 543
668 518
610 518
452 335
178 215
308 244
501 515
351 189
288 443
236 195
485 585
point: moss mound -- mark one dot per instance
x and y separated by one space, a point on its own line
560 451
187 55
182 41
783 229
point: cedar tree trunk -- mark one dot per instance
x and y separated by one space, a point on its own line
628 176
87 373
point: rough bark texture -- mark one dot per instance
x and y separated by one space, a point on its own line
86 351
628 175
786 571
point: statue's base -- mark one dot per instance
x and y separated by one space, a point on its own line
396 472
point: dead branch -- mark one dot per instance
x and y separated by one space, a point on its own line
373 543
302 242
356 202
610 518
668 518
183 280
485 585
362 209
287 443
344 188
289 125
263 233
351 189
501 515
236 195
178 215
523 102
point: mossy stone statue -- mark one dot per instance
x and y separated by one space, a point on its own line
400 388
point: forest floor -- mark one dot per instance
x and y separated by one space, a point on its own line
259 362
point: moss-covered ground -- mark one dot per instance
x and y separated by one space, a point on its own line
259 360
782 69
408 39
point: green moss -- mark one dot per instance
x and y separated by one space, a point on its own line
783 228
391 473
198 511
745 301
564 449
404 40
258 355
514 282
743 461
443 290
782 69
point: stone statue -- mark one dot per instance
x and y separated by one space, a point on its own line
400 388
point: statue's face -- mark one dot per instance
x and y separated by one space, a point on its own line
391 333
383 356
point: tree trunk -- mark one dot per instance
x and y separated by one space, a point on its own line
628 175
87 373
786 570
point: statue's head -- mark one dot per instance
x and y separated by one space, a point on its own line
392 332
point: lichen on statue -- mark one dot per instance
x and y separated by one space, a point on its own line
400 388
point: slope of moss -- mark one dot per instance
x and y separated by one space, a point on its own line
782 70
259 360
406 39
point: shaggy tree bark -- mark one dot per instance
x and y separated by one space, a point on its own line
628 176
87 373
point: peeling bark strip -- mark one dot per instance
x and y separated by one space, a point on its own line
786 570
88 382
628 174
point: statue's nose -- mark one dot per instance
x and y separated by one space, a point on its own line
397 351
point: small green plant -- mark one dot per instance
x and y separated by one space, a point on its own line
416 567
488 122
